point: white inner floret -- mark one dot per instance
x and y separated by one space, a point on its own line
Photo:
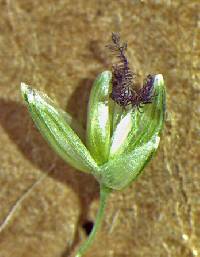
121 132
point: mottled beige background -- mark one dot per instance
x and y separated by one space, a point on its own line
57 46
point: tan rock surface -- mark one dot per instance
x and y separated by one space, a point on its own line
58 47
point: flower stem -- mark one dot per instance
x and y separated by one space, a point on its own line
104 192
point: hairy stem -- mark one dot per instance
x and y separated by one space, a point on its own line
104 192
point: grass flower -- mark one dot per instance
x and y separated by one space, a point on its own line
119 141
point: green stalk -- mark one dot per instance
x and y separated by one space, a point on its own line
104 192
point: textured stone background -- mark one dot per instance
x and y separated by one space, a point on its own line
57 46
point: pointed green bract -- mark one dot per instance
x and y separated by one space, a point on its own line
137 127
56 127
140 144
150 121
98 120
